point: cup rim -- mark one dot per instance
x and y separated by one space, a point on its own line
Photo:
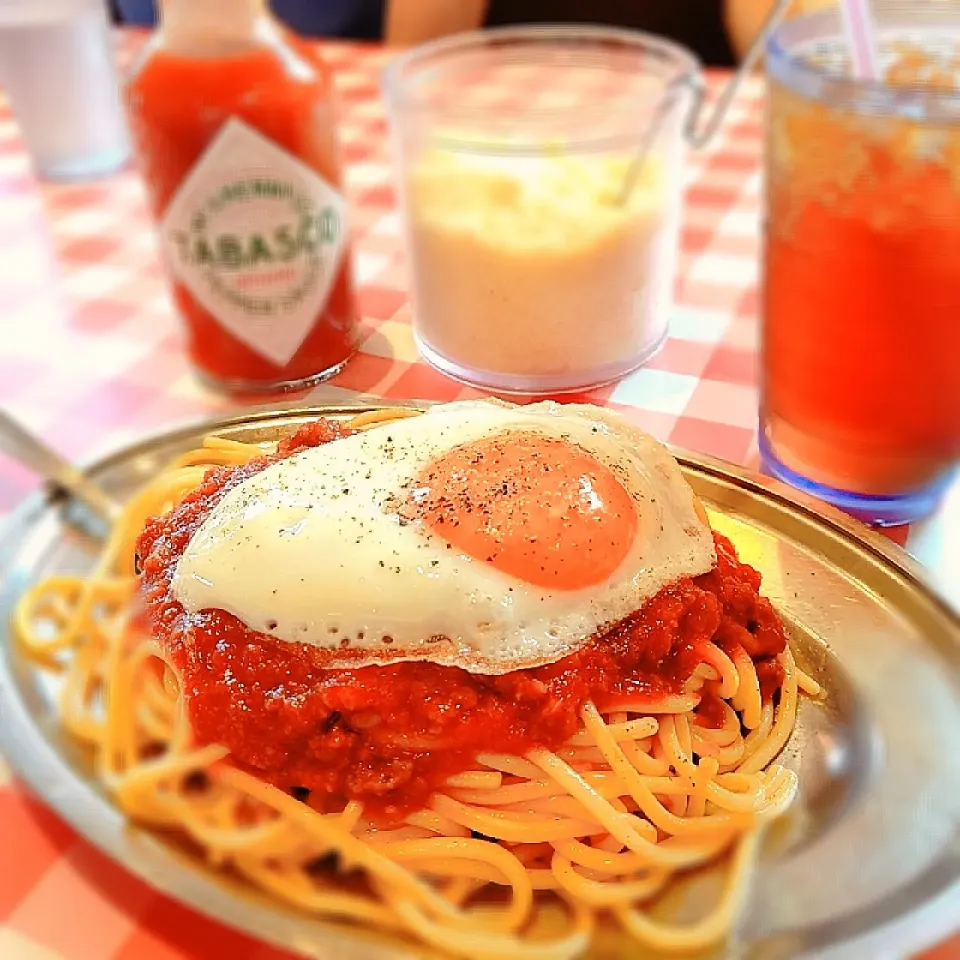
402 100
918 102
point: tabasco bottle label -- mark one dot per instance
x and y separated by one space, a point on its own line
257 237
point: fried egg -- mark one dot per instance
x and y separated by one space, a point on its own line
483 535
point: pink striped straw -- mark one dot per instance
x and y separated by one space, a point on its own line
861 33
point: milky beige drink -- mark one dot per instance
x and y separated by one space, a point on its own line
534 268
531 268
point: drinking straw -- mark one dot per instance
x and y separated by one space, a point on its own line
861 33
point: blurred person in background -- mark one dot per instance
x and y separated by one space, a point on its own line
354 19
718 31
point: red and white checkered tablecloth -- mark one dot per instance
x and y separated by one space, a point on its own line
90 357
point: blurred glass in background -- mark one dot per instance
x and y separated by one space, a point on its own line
57 70
861 288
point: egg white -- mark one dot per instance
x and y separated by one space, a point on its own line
309 550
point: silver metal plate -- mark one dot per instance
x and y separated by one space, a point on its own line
874 836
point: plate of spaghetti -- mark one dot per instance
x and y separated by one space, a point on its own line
486 681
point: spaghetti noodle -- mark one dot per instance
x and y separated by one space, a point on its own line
640 794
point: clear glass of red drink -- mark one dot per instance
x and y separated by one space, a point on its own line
861 291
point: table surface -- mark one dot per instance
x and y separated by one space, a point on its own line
91 358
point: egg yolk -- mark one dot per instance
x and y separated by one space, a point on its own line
536 508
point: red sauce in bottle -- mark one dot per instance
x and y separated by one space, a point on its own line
234 125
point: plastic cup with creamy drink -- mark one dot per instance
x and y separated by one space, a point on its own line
532 270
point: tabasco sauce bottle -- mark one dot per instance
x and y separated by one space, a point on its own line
233 120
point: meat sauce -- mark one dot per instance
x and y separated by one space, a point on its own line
390 736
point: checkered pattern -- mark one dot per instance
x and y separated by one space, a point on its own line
91 357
